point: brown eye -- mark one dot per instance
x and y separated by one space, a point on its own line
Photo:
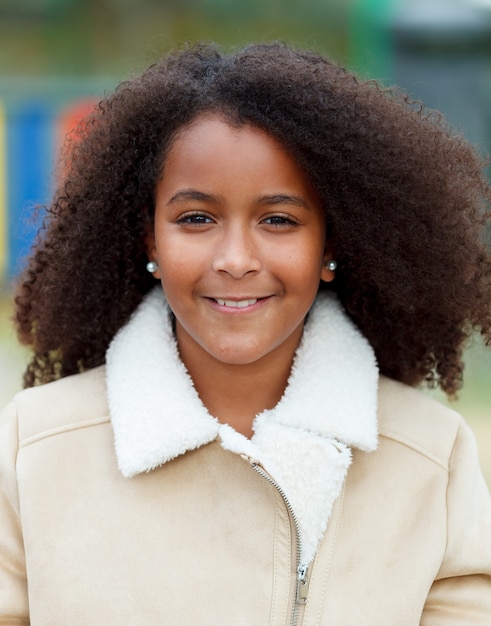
279 220
195 218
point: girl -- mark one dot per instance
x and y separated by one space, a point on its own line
250 263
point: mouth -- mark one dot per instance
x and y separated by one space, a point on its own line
236 304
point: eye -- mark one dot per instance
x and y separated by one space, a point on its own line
195 219
279 220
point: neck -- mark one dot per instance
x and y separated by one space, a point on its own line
235 394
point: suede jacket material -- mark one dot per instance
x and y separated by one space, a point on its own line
123 502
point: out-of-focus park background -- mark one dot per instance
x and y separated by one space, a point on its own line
59 56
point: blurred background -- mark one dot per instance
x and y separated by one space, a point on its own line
59 56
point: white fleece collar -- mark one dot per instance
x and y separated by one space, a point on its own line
329 405
157 414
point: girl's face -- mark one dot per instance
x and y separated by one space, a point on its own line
239 239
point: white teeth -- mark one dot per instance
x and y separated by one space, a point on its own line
236 304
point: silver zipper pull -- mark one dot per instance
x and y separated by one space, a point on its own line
302 584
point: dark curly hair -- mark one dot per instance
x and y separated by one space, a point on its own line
406 203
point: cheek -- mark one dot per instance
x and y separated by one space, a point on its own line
306 262
175 272
174 258
180 271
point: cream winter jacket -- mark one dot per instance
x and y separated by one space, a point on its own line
123 502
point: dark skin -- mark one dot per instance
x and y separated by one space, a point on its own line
236 394
240 244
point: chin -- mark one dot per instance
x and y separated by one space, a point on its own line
238 356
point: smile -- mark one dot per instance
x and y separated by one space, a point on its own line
237 304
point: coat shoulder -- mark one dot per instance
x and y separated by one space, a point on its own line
410 417
72 402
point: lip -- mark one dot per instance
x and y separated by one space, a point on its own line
243 304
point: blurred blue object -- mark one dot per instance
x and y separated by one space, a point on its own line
29 167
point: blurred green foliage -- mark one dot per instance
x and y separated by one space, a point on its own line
108 37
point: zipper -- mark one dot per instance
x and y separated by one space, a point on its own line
302 584
302 570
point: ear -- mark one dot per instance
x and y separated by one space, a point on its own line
327 274
151 249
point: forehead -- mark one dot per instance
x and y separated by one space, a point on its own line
212 130
212 147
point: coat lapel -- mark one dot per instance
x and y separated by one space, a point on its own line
157 414
329 405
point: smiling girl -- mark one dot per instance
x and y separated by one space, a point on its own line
239 242
252 261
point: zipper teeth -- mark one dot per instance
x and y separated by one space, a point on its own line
267 477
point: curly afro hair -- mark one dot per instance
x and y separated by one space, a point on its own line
406 204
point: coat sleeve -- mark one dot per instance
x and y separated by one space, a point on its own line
461 593
13 584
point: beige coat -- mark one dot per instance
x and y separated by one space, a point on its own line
204 536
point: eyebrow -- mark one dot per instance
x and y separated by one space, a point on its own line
283 198
191 194
269 200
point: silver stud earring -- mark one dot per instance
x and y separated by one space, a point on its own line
331 265
152 267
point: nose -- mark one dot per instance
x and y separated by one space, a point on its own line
237 253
